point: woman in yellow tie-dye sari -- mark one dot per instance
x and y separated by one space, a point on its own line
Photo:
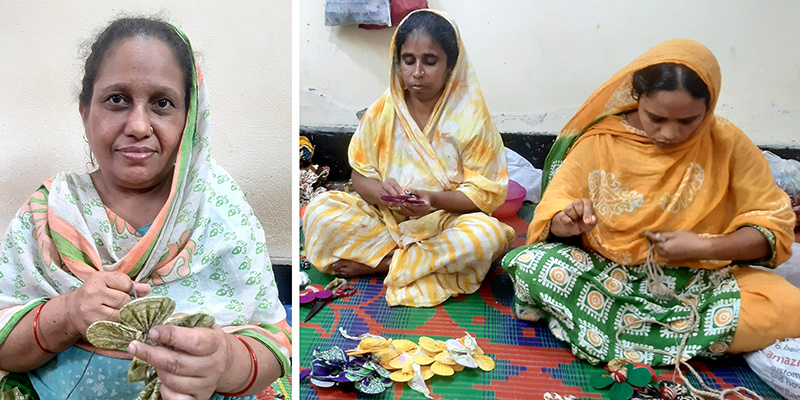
645 175
158 216
429 137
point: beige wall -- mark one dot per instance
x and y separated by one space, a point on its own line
246 57
538 60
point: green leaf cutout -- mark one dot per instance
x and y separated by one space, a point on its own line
639 377
602 381
620 391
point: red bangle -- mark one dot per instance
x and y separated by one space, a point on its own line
35 334
255 370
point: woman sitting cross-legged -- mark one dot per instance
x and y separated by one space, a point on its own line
430 137
652 208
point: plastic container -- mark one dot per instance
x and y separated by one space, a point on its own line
514 198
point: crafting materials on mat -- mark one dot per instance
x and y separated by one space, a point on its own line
281 389
530 362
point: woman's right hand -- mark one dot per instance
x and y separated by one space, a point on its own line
391 188
100 298
576 218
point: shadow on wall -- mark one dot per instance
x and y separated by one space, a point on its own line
361 46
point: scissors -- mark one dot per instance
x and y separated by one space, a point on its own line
321 297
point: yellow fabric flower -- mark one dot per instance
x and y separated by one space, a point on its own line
466 352
405 350
431 346
439 357
378 347
411 362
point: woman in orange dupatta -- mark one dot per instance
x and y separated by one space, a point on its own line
649 199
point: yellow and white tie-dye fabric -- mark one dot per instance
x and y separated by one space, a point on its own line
441 254
341 225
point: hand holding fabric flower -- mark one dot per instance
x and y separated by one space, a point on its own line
10 394
137 318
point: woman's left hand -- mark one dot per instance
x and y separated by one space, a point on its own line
192 361
674 246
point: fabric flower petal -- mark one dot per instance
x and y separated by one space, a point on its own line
146 312
321 383
192 320
404 346
431 346
138 370
442 369
371 386
620 391
639 377
423 359
401 376
602 381
418 382
401 361
485 363
112 335
445 358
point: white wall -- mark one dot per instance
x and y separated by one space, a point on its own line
246 59
538 60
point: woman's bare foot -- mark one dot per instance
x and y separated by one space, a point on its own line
352 269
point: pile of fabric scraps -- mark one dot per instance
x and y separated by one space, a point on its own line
786 173
338 287
304 279
304 263
312 176
318 296
334 367
376 360
556 396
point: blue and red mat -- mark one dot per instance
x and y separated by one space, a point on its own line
530 361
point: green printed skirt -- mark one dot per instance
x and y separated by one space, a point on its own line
586 298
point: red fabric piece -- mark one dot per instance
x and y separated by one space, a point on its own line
399 9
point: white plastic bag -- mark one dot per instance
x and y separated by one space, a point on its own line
354 12
779 366
523 172
790 269
787 176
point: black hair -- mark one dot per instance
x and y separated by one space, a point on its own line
669 76
124 28
436 27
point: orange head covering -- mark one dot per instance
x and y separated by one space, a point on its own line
712 184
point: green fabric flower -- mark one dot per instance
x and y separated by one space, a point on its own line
136 319
12 393
622 381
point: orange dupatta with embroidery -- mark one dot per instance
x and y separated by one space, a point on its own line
713 184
